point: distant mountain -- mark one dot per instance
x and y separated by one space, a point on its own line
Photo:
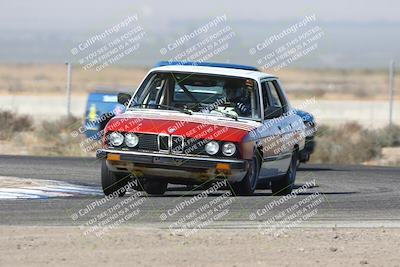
343 45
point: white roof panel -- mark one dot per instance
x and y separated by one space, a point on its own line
214 70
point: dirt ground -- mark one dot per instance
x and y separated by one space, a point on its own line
133 246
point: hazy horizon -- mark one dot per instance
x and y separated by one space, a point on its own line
358 34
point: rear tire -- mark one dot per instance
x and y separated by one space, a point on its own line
248 185
113 182
155 187
284 185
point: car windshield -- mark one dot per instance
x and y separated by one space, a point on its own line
193 92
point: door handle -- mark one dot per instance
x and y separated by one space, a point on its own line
280 131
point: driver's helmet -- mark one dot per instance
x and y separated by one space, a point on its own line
235 89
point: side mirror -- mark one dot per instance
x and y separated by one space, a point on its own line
273 112
124 98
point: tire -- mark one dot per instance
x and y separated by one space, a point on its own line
112 182
248 185
155 187
284 185
304 156
263 184
139 186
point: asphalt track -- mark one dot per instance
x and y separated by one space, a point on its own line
350 195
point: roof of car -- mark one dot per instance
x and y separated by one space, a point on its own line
226 71
206 64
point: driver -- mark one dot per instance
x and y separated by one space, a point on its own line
237 94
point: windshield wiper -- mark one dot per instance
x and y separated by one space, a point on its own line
183 110
235 117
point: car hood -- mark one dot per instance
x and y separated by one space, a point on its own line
199 126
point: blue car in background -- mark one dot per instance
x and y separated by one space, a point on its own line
311 129
101 106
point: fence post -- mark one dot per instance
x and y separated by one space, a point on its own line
68 88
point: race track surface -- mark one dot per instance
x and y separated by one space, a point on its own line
350 195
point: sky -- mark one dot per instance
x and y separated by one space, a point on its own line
358 33
42 14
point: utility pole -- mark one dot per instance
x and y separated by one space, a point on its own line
68 88
391 90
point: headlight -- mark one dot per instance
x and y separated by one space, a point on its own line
131 139
116 139
212 148
228 149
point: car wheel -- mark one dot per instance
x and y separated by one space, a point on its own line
113 182
284 185
304 156
155 187
138 186
263 184
248 185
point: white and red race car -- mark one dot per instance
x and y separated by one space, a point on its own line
196 122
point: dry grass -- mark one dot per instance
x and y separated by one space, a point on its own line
327 84
350 143
336 84
19 135
56 138
22 78
11 123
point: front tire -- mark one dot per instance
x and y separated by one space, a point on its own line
113 182
154 187
248 185
284 185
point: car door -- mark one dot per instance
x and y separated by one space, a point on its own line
293 124
276 156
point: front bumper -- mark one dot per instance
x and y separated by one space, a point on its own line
174 167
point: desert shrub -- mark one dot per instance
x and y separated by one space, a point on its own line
51 130
388 136
40 77
345 144
12 123
57 138
361 93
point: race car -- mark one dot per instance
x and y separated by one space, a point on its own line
192 123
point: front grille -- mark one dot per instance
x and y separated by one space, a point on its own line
163 142
177 144
147 142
